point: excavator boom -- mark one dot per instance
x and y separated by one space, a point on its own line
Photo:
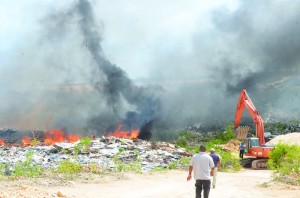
255 147
245 101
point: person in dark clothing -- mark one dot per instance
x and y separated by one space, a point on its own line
217 160
242 150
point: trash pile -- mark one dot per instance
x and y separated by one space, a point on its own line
101 151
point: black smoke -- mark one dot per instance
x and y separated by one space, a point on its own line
116 85
61 77
258 48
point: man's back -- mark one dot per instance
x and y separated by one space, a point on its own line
202 164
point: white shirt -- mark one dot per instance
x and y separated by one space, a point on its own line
202 163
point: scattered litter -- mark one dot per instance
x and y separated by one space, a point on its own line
101 151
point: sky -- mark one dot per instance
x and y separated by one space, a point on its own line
133 30
192 57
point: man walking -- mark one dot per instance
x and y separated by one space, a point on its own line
217 161
202 164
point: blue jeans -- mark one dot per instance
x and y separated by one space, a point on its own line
202 184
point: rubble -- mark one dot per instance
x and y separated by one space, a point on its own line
103 152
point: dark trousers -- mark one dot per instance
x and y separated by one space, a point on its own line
242 154
202 184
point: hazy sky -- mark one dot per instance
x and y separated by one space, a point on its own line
194 57
136 33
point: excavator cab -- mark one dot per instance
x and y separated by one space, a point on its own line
250 142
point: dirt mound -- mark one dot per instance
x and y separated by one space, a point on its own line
291 138
232 145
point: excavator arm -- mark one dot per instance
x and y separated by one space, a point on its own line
245 101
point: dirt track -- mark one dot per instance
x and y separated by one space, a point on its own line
246 184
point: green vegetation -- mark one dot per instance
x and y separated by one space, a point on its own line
94 168
191 142
184 162
172 166
126 160
3 169
69 168
282 127
83 145
158 169
285 160
226 135
27 168
134 166
182 142
35 142
229 163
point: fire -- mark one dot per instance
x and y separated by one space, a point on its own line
27 141
53 136
57 135
72 138
2 142
120 133
50 138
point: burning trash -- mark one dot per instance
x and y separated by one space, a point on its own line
106 152
120 133
26 138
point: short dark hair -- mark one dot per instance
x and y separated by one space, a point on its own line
202 148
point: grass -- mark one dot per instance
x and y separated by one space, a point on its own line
27 168
229 163
158 169
69 168
172 166
134 166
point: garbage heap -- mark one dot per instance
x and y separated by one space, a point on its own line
103 152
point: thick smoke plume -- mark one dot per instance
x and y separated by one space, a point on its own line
116 84
74 69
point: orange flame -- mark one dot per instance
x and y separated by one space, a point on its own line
72 138
26 141
2 142
53 136
50 138
120 133
57 135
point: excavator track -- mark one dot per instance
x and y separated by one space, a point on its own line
259 164
247 162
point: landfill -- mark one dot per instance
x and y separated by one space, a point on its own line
102 151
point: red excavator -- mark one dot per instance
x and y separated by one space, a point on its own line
256 151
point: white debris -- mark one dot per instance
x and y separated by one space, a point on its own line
102 151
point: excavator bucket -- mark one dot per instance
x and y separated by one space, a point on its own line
241 132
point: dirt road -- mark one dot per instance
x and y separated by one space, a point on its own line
246 184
